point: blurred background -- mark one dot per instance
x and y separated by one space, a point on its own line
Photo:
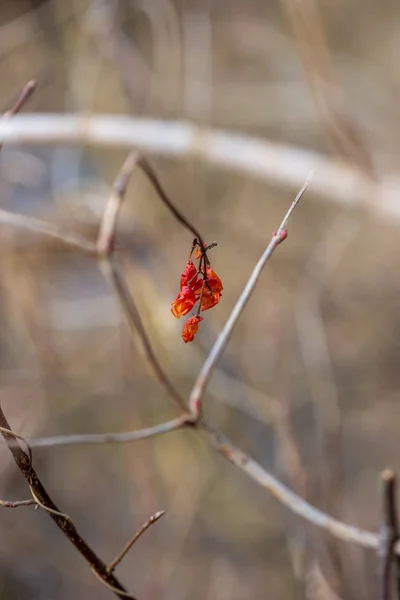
309 382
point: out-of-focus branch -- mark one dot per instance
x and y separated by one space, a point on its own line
223 338
47 229
285 495
389 536
109 221
24 96
287 166
153 519
319 71
63 522
109 438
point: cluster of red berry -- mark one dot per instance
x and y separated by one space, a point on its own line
198 284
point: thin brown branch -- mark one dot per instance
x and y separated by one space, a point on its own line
144 164
153 519
195 401
109 438
117 282
108 223
389 536
63 522
48 229
9 504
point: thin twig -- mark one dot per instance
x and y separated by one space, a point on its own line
9 504
109 438
115 278
25 94
389 536
48 229
108 224
153 519
144 164
62 521
196 395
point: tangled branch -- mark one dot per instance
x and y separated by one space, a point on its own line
222 149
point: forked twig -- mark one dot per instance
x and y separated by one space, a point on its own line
389 537
153 519
62 521
195 401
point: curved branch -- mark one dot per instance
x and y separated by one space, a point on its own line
47 229
287 166
108 438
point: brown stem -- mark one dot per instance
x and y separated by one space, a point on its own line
113 275
151 174
153 519
24 464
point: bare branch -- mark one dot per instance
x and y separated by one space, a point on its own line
109 438
151 174
63 522
117 282
153 519
48 229
109 221
389 536
243 462
287 166
285 495
24 96
223 338
9 504
26 93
